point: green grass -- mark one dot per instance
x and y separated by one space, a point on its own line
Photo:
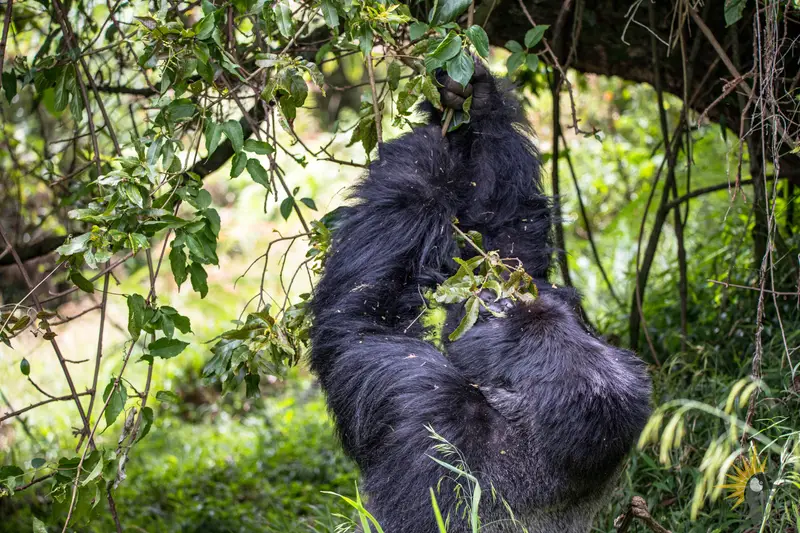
261 472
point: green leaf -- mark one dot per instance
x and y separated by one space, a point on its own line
283 17
203 199
177 261
82 283
298 89
514 61
734 10
534 35
95 473
25 367
213 220
431 92
75 245
147 422
37 462
119 395
479 40
238 164
258 172
286 207
133 194
447 49
181 110
205 27
233 131
62 90
166 348
258 147
309 203
366 132
288 108
330 14
199 279
7 471
213 136
470 317
183 323
365 39
195 246
136 310
168 396
514 46
21 324
9 85
408 95
38 526
461 68
393 75
448 11
417 30
206 70
532 61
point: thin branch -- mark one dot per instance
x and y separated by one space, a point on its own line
749 288
73 317
375 105
565 80
638 510
99 352
711 189
91 437
588 224
35 481
53 342
41 390
64 398
4 38
670 182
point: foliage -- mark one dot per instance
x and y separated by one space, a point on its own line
116 121
494 274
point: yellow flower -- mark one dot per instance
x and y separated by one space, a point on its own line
739 480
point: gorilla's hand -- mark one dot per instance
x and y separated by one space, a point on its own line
481 87
494 306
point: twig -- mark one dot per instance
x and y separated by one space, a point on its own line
588 224
565 80
671 180
710 189
58 9
73 317
733 70
53 342
99 352
638 509
37 387
91 439
749 288
64 398
4 38
375 107
35 481
448 117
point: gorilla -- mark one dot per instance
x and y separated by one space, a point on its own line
541 410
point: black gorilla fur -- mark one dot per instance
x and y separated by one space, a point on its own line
541 409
